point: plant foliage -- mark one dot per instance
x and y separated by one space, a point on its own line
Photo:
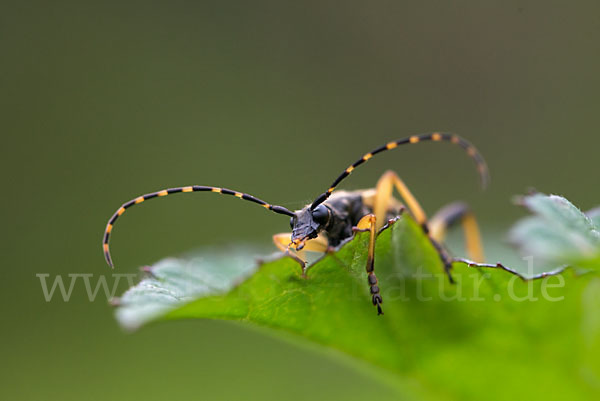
492 335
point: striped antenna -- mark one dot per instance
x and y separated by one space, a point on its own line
165 192
435 137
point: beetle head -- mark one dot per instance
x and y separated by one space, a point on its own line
307 223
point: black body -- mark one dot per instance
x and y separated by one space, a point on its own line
344 211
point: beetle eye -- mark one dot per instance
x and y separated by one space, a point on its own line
320 214
291 222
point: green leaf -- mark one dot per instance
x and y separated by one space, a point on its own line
173 282
557 234
491 335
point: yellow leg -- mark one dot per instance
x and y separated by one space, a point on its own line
370 222
283 240
448 216
383 198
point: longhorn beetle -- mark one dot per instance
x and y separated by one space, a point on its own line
333 216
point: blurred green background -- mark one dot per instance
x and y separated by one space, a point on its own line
104 101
